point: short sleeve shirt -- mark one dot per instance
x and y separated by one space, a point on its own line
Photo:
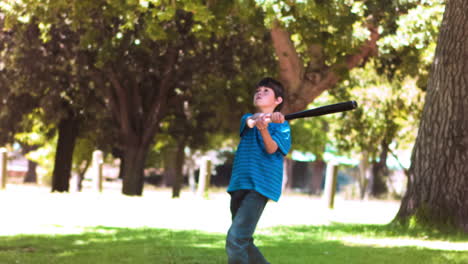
256 169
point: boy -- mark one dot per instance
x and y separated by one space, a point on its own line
257 173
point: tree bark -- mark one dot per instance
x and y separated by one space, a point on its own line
169 175
122 168
81 175
179 165
31 175
437 191
134 157
363 174
379 173
68 131
317 176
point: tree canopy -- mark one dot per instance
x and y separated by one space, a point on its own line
124 72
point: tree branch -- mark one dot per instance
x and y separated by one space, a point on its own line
121 100
367 50
290 64
157 108
98 79
137 103
304 86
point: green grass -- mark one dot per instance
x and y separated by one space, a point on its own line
337 243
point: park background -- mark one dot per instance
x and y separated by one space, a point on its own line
148 95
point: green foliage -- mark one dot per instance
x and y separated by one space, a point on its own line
223 48
164 142
327 32
387 112
410 49
388 90
36 133
337 26
13 105
45 67
125 50
82 154
217 88
310 135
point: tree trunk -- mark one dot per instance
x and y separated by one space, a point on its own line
363 174
179 165
437 193
380 173
68 131
316 178
81 175
122 168
169 175
134 159
31 175
137 119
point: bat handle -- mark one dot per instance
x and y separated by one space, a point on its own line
252 122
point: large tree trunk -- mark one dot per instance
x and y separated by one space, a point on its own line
438 180
134 158
68 131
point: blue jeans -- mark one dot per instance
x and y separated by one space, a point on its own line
246 208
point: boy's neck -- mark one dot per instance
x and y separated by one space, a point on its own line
266 110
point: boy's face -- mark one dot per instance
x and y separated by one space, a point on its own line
265 98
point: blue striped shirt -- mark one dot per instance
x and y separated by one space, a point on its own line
254 168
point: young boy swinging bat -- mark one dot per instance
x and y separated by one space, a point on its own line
257 173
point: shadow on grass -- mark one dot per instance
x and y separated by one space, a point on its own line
327 244
288 245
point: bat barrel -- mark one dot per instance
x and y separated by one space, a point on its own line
324 110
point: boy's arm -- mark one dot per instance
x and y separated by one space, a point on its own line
270 145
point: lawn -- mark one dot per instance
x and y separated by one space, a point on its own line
39 227
285 244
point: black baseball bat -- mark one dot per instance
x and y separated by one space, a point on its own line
323 110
